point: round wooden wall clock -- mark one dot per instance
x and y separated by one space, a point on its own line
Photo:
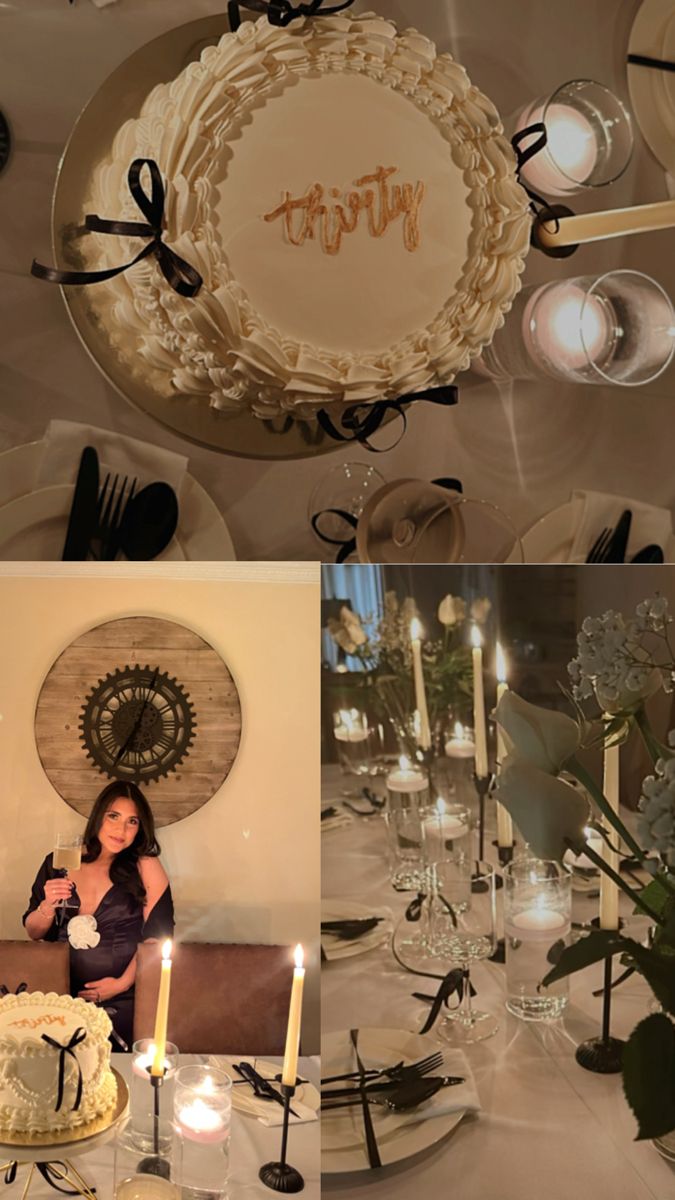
144 700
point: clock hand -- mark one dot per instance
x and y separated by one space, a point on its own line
137 723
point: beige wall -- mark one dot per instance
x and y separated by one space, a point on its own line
246 867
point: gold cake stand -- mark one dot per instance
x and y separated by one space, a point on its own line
117 100
57 1154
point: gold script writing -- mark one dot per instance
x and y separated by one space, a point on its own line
382 203
34 1022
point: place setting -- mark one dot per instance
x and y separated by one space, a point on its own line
349 929
525 891
86 493
594 528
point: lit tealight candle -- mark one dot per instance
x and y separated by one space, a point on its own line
199 1122
536 922
570 155
352 726
141 1064
567 327
424 735
480 731
162 1015
290 1068
407 778
461 744
504 822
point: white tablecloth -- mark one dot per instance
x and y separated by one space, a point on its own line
252 1145
525 448
547 1128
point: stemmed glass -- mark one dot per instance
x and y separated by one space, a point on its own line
463 931
67 857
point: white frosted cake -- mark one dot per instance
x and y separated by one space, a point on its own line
350 201
30 1066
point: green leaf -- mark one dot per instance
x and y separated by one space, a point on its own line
655 895
649 1075
659 971
601 943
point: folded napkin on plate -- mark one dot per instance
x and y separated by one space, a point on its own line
595 511
268 1112
65 441
337 820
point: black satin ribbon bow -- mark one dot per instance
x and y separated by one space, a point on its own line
414 910
347 545
281 12
540 208
181 275
355 428
5 991
454 982
77 1037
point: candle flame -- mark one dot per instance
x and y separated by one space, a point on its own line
476 639
441 806
166 949
207 1088
501 665
299 955
404 762
415 629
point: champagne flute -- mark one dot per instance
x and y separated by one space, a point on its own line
67 857
464 930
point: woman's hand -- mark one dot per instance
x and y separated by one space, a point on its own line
57 889
100 990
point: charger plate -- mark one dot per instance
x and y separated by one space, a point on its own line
652 92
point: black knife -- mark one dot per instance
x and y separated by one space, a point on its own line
82 518
261 1086
619 544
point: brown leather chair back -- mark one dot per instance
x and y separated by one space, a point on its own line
42 966
225 999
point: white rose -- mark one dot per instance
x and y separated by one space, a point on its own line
539 736
480 610
83 933
451 611
352 624
549 813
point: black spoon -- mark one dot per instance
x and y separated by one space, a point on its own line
149 522
650 554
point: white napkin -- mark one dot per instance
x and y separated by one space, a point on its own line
596 511
65 441
268 1112
335 948
103 3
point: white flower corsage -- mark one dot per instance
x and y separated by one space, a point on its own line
82 932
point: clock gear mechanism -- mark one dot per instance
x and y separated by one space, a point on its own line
137 724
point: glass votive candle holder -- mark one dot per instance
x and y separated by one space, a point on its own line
617 328
537 916
142 1095
141 1176
351 733
589 139
446 832
202 1111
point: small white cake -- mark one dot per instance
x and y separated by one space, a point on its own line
30 1066
351 203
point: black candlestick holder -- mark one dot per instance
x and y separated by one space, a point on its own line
154 1164
603 1054
482 784
5 141
280 1176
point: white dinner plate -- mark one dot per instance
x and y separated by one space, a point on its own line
242 1099
652 92
347 910
33 522
398 1136
550 539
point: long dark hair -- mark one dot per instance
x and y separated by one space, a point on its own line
124 867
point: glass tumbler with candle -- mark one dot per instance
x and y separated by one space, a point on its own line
589 139
202 1110
537 918
446 832
139 1176
142 1099
617 328
407 800
351 733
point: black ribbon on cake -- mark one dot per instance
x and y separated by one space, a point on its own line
282 12
347 546
5 991
540 208
77 1037
181 275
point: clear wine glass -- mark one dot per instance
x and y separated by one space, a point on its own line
464 931
67 857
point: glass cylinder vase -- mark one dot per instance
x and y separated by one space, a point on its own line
142 1095
202 1110
537 925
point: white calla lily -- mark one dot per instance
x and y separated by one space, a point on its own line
550 814
539 736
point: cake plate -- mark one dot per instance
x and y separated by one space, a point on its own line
55 1157
117 100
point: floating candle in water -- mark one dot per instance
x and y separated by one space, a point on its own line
407 778
571 153
567 327
461 744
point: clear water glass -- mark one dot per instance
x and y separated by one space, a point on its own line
537 925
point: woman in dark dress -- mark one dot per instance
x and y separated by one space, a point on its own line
119 897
